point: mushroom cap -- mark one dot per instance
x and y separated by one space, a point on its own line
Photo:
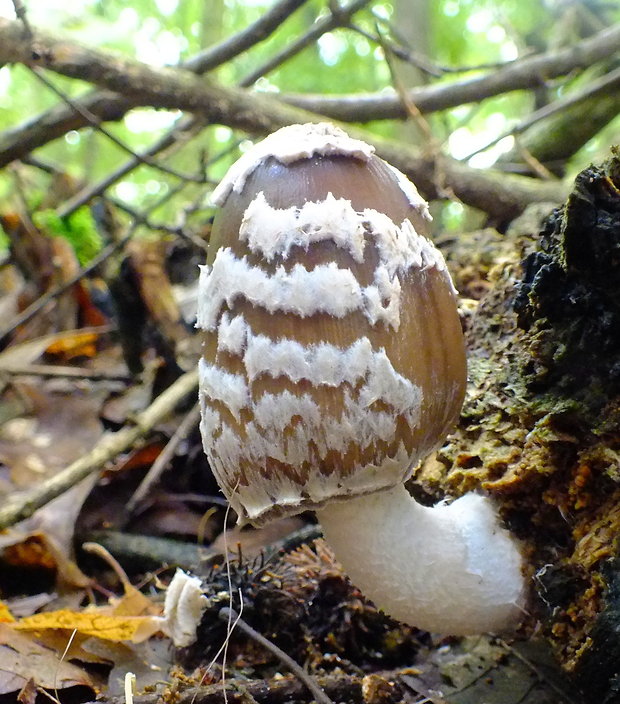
333 352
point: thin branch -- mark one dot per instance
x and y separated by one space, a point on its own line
556 139
163 459
199 64
95 122
23 504
242 41
45 127
335 19
41 302
185 126
58 371
142 218
22 16
536 166
109 106
228 614
605 85
279 690
400 52
413 111
521 74
146 552
422 62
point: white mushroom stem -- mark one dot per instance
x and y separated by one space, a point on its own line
451 568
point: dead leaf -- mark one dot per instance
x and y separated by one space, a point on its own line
28 693
97 623
82 344
45 539
133 618
24 353
57 429
148 261
23 659
5 615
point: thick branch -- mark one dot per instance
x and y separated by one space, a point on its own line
244 40
106 106
19 141
553 140
525 73
522 74
499 195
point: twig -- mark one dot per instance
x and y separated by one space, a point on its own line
207 60
432 146
600 85
22 16
38 305
245 39
163 459
412 109
104 554
142 218
422 62
24 504
94 121
400 52
145 552
84 196
47 370
227 613
540 169
139 219
537 671
280 690
522 74
201 63
327 24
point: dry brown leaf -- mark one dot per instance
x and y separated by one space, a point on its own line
58 429
148 260
134 603
45 539
23 659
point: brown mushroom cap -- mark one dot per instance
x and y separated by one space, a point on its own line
333 361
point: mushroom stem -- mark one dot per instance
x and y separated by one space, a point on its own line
451 568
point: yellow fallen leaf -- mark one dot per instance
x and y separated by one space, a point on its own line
94 623
5 615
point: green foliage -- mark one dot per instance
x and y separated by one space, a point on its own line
79 229
457 34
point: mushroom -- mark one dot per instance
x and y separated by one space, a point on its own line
333 363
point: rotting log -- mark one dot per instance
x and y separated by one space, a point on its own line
540 429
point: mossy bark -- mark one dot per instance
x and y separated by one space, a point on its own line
540 429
